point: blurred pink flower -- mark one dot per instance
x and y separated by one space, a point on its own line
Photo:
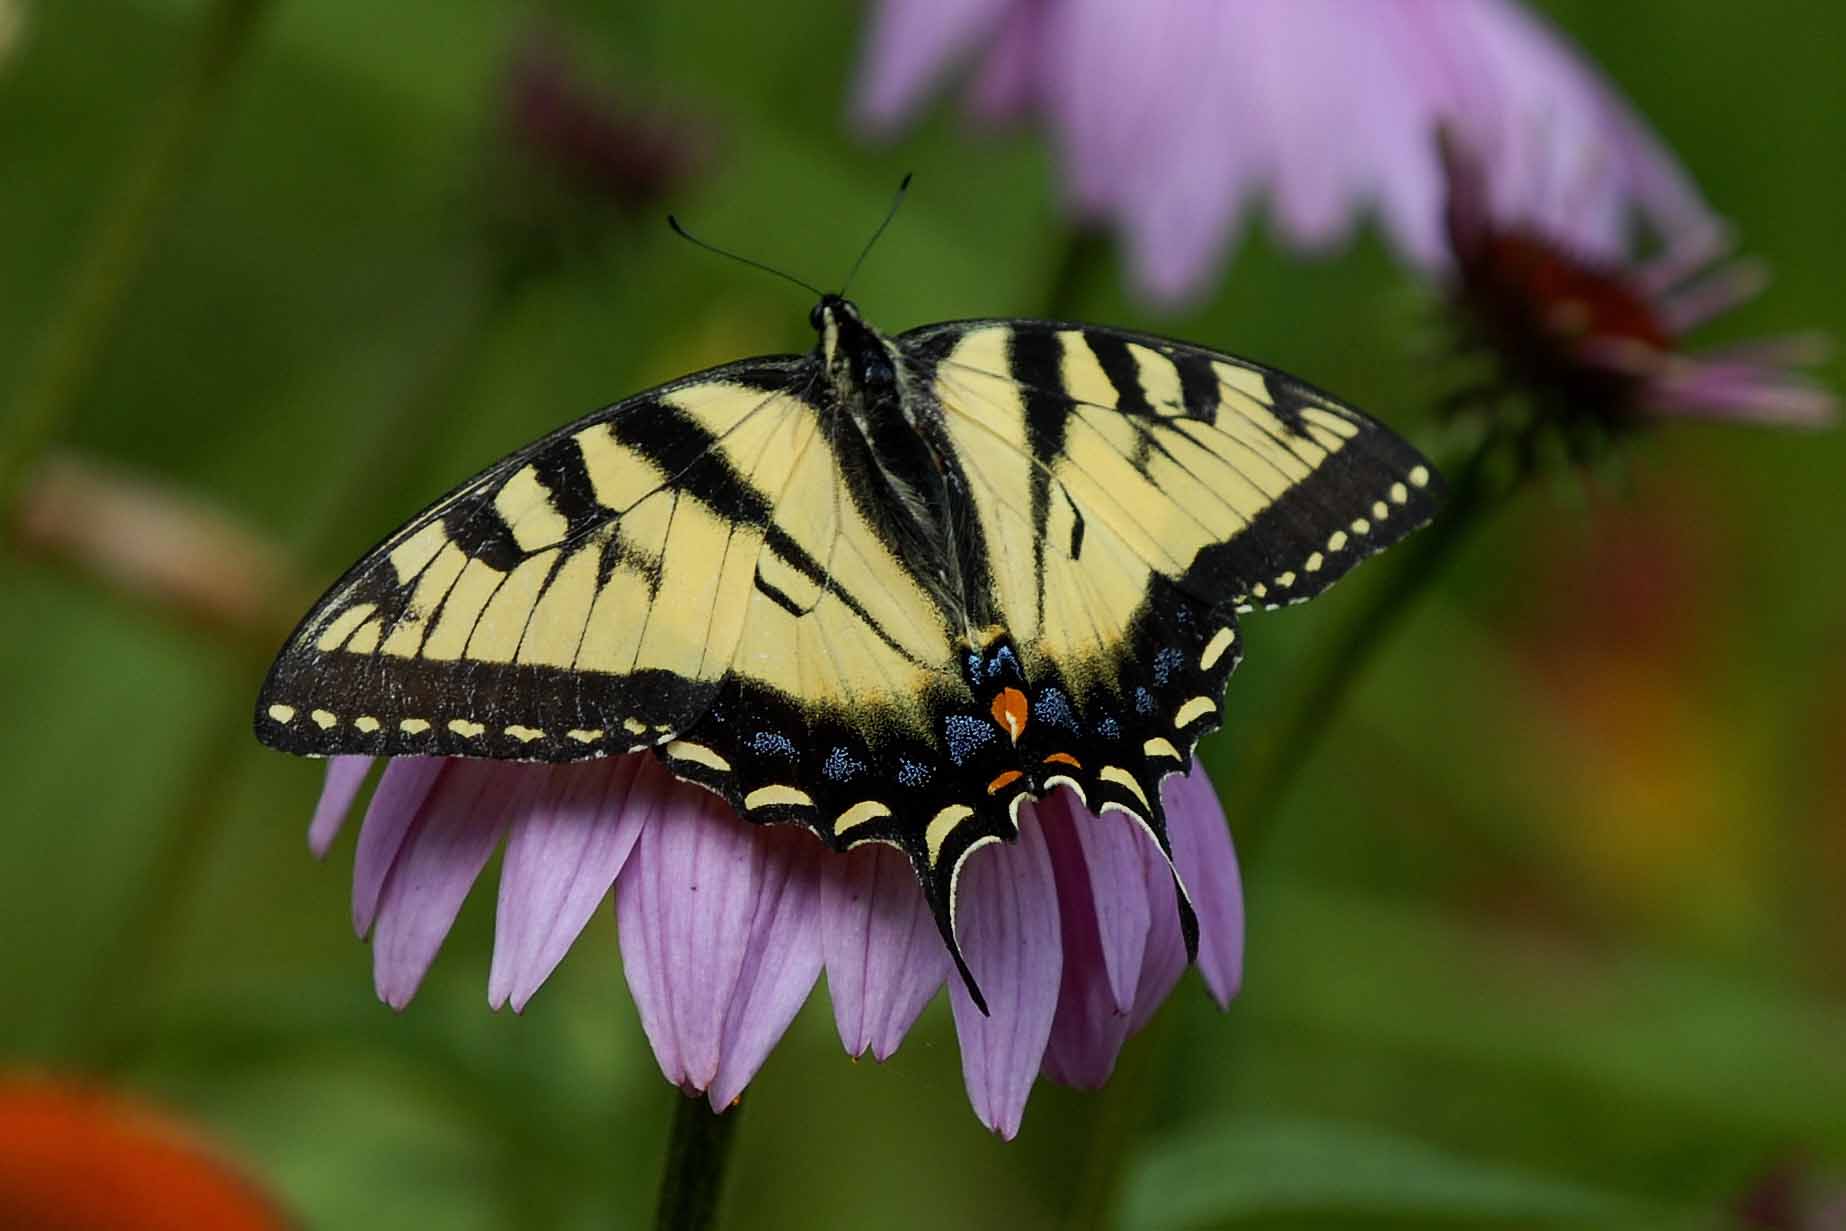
725 926
1600 337
1172 117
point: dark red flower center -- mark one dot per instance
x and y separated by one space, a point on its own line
1533 287
1558 322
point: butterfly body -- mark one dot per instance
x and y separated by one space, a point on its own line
890 590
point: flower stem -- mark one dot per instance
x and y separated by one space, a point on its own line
1079 262
1277 751
693 1178
80 326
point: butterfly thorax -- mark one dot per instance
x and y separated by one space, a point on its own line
913 485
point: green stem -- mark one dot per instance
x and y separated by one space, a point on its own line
1079 264
693 1179
80 326
115 990
1276 753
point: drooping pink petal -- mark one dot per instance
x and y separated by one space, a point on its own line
884 957
1170 118
1007 922
1207 864
449 843
1091 1022
781 964
1010 72
1191 179
1165 960
1697 389
345 775
686 903
1109 854
561 859
402 788
909 46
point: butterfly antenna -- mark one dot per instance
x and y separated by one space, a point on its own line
889 215
689 237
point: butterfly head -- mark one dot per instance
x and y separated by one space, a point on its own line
861 362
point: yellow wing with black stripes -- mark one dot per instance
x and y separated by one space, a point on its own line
592 592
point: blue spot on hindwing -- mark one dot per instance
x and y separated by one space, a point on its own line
842 766
912 773
967 734
1052 707
1166 662
774 744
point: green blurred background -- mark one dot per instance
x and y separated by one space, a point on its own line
1553 927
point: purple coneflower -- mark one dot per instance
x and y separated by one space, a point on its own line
1597 339
1171 117
725 926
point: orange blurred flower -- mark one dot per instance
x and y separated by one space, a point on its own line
79 1158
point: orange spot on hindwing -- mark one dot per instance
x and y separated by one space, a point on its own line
1009 710
1063 758
1001 782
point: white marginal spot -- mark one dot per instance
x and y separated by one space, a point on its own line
776 793
941 826
1286 579
1160 747
324 720
413 726
859 814
1380 510
698 754
1336 540
585 737
634 726
1314 562
1419 476
524 734
1399 493
465 728
1125 780
1215 648
1361 526
283 714
1259 589
1196 708
366 723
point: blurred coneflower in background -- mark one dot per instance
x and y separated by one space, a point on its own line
1598 342
1172 118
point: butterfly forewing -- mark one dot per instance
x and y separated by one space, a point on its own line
581 597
